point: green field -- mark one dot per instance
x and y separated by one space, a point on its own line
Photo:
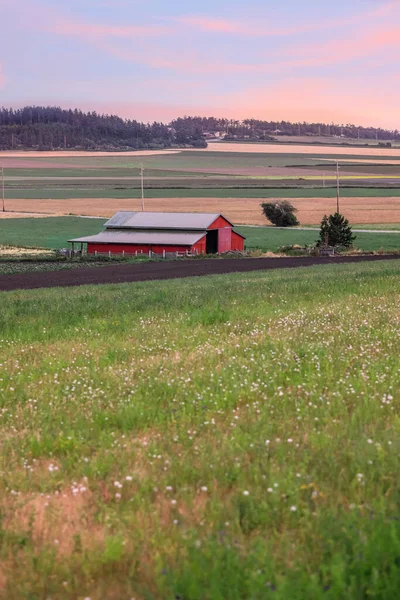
270 239
230 437
124 191
54 232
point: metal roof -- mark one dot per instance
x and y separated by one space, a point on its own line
165 238
160 220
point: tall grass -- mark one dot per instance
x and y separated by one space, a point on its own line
226 437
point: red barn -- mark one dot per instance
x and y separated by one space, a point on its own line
196 233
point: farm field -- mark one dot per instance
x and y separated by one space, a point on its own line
54 232
126 192
225 437
229 178
243 210
222 165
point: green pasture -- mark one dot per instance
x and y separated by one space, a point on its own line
50 232
54 232
270 239
228 437
124 190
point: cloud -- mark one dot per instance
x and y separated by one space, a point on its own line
242 27
371 42
265 28
93 30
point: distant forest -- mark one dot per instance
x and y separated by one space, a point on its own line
53 128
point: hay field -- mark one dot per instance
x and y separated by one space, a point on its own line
244 211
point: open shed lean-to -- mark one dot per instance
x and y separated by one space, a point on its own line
142 232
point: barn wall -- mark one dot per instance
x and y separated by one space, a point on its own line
237 242
219 223
200 246
132 248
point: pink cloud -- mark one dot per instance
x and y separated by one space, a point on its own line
372 41
264 27
248 28
93 30
211 24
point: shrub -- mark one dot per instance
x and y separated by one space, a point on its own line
281 214
335 231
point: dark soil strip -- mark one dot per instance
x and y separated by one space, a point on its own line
168 270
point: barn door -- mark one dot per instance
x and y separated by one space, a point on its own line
225 239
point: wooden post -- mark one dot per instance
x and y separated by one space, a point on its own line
337 188
2 188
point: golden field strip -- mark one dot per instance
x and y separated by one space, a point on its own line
245 211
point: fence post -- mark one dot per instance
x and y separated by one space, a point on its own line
95 252
149 253
123 253
163 253
109 254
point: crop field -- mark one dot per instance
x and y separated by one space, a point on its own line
228 178
242 210
225 437
54 232
221 165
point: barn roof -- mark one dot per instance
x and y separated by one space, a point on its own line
165 238
160 220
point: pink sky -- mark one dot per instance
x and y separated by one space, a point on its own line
155 61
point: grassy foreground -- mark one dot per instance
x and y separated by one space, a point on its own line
231 437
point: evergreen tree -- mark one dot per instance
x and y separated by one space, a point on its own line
335 231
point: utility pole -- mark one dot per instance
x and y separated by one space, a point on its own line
2 188
142 184
337 188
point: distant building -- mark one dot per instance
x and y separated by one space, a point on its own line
142 232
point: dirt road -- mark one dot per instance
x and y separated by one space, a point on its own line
167 270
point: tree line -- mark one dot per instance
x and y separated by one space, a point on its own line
52 128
